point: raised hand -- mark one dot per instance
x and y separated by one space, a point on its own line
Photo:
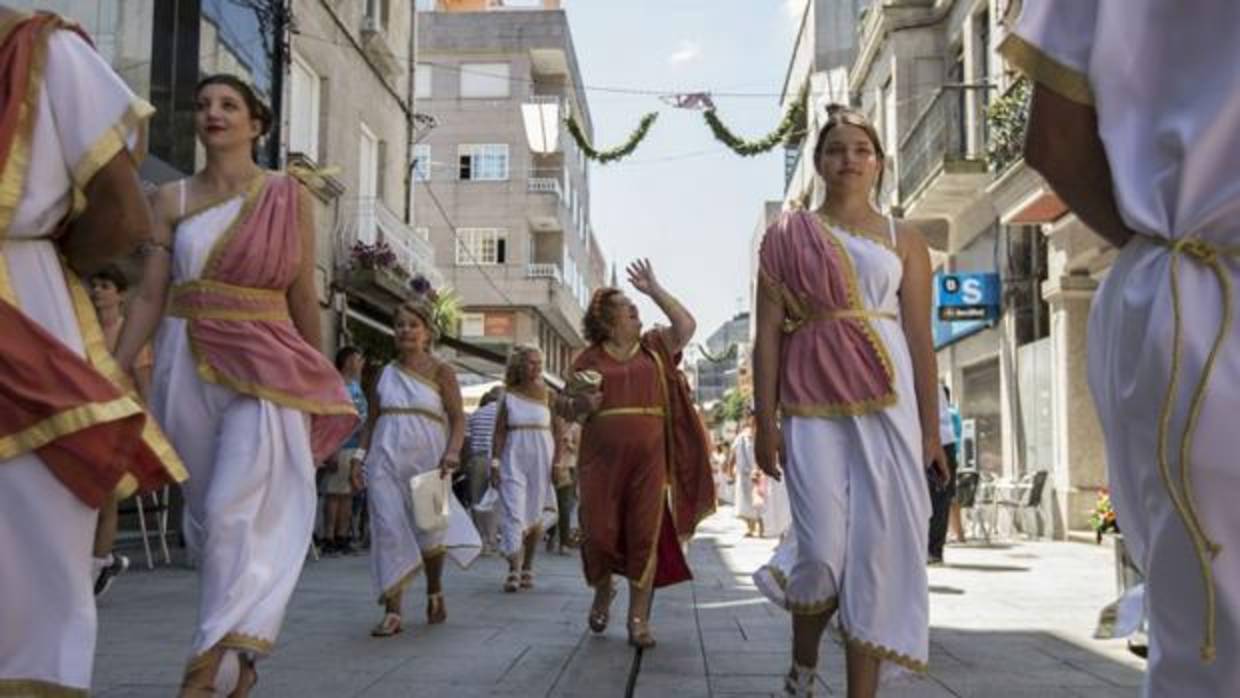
641 275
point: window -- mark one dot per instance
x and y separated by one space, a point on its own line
304 109
473 324
486 162
481 246
367 183
377 14
422 163
422 80
482 80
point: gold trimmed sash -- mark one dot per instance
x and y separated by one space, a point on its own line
793 323
627 411
215 300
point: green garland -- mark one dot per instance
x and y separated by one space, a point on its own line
791 126
621 151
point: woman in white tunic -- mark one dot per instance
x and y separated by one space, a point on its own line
416 425
843 340
239 384
78 130
1134 124
748 508
525 440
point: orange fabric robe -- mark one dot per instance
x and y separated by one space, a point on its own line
642 493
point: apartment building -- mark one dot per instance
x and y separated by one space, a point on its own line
951 116
502 192
350 116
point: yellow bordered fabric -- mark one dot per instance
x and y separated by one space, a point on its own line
1041 68
33 688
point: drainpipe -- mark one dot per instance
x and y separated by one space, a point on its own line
413 39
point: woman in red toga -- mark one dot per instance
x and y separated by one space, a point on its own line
644 453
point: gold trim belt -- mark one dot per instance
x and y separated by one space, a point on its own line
215 300
1211 256
529 427
792 324
630 411
412 411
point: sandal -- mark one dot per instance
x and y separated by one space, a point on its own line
390 625
512 582
639 634
199 679
247 679
799 681
527 579
436 611
599 618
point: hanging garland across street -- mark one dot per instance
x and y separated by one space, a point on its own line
791 126
619 152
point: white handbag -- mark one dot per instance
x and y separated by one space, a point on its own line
430 494
488 502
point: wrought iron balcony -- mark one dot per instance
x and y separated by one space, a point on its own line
942 158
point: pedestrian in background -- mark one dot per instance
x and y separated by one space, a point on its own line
478 467
338 483
943 495
525 442
1133 123
71 133
844 355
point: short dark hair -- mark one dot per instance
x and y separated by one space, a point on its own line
258 110
344 353
113 275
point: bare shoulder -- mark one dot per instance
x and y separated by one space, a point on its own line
910 240
444 373
166 200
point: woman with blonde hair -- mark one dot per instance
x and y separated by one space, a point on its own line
247 398
416 425
844 357
525 442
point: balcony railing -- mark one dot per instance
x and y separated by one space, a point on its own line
546 185
369 220
544 271
940 136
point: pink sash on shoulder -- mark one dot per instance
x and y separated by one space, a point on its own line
239 325
833 363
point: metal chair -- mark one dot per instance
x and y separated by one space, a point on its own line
159 507
1026 497
975 495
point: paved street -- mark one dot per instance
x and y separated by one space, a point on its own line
1011 620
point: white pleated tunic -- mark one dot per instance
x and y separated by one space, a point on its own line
1162 77
47 605
250 498
526 490
860 509
746 464
406 443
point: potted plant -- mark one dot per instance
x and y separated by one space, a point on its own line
1102 518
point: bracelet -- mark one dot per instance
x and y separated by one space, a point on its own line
359 454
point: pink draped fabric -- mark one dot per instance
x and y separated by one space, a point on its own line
239 327
832 361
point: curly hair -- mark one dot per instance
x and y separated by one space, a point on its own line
113 275
514 372
596 324
839 115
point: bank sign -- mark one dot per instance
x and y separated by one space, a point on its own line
963 304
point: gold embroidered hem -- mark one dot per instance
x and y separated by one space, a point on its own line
885 653
114 140
627 411
843 409
249 643
273 303
647 578
1041 68
70 421
252 190
208 373
417 376
17 161
96 346
401 584
812 608
33 688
